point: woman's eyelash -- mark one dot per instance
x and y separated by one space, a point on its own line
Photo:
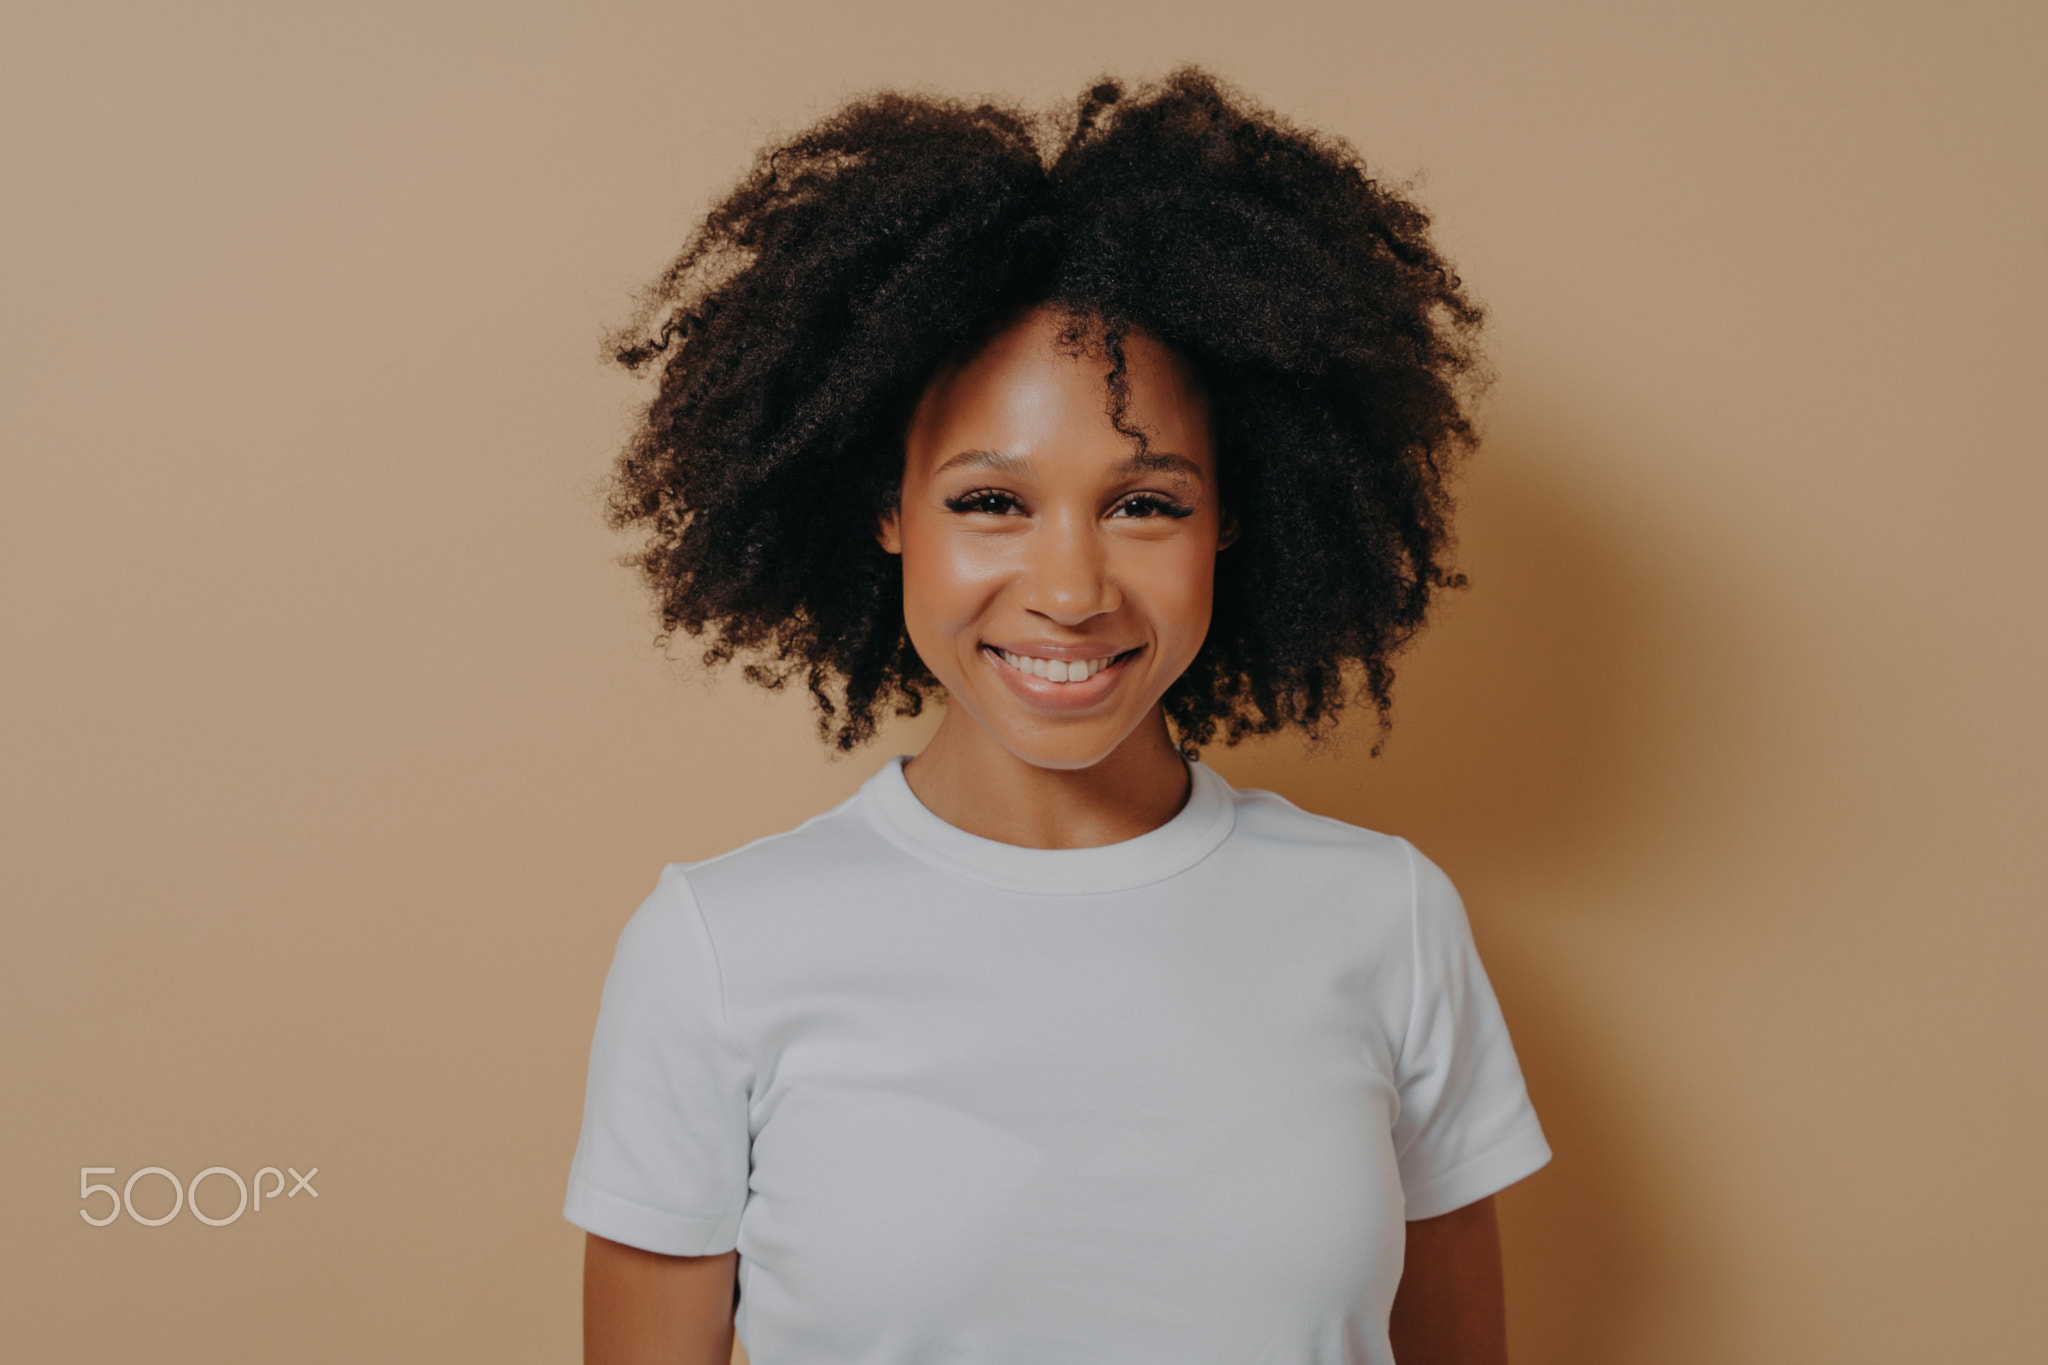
994 501
1156 505
979 500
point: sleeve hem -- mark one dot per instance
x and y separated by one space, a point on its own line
1521 1154
637 1225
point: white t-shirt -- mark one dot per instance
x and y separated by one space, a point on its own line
953 1100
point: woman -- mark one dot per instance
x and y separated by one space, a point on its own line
1050 1045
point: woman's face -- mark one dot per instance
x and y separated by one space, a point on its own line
1052 581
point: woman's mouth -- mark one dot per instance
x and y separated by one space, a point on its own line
1060 685
1058 670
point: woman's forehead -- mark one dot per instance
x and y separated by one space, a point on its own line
1031 392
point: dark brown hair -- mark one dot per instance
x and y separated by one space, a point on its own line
795 332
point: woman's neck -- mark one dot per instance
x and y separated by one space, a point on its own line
973 783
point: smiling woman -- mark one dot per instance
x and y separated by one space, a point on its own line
1055 581
1051 1045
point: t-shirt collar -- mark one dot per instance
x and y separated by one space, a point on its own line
1153 856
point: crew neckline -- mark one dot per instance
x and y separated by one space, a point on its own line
1174 847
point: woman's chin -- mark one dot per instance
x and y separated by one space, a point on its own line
1073 746
1061 758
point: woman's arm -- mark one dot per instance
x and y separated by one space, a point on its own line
640 1306
1449 1309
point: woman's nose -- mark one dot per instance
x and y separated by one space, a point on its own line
1067 575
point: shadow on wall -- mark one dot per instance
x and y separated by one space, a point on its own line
1533 756
1525 726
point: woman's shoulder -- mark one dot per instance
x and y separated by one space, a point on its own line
796 860
1270 824
1267 816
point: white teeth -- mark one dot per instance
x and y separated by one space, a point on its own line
1055 670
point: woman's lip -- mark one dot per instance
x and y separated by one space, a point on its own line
1046 695
1069 653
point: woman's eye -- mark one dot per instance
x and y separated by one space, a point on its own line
987 500
1151 505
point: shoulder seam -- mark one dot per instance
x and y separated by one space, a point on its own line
1414 955
717 962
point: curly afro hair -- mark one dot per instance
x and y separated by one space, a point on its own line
803 319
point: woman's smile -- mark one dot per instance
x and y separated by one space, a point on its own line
1060 680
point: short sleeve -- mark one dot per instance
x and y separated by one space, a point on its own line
662 1161
1466 1128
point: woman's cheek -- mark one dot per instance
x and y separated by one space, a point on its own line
1184 590
948 582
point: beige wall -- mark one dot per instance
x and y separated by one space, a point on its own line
335 754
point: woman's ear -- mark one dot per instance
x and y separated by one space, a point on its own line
889 533
1226 534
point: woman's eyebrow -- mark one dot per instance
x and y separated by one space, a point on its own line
985 459
1149 462
1159 462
